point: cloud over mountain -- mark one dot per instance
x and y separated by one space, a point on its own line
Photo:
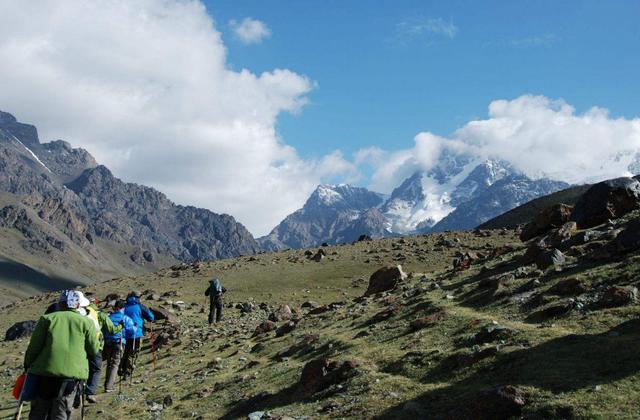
146 88
537 135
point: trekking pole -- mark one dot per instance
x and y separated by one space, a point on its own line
19 413
134 359
82 389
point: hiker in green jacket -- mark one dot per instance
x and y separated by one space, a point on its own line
57 356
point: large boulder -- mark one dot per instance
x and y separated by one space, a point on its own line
321 373
20 330
549 218
386 278
629 238
606 200
619 296
265 327
554 258
164 314
283 313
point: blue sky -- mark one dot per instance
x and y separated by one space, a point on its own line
384 73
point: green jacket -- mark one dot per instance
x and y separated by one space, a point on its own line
60 345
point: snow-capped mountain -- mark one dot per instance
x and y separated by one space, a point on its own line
333 214
460 192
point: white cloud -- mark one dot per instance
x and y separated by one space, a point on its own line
540 136
427 29
250 31
144 86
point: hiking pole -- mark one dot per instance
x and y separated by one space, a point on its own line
82 389
19 413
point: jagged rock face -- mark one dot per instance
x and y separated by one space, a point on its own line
144 217
67 190
66 162
332 214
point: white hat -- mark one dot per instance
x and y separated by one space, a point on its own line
75 299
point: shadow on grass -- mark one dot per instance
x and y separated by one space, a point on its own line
564 364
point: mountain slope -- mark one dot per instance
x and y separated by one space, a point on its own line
65 217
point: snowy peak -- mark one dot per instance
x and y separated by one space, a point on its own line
341 197
410 191
480 178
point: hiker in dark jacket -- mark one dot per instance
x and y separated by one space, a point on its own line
215 291
114 342
57 356
138 313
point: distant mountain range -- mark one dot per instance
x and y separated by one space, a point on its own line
459 193
65 219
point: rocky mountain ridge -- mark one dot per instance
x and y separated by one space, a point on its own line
59 207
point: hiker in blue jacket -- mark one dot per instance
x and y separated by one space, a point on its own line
114 343
215 291
138 313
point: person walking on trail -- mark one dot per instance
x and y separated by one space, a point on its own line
114 343
57 357
103 325
215 292
138 313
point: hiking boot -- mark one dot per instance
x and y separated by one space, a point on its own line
91 399
109 390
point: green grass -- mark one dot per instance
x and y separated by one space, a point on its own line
558 362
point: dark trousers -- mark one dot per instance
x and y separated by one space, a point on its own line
95 364
131 350
112 355
215 306
55 398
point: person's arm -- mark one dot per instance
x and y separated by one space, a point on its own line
206 292
107 325
129 326
91 340
146 313
37 342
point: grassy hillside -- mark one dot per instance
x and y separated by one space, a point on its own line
579 364
524 213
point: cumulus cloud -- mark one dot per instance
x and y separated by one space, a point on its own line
144 86
250 31
539 136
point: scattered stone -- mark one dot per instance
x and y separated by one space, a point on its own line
502 402
629 238
619 296
559 309
464 260
364 238
310 304
547 259
286 328
386 278
549 218
283 313
256 415
164 314
427 321
167 401
606 200
265 327
568 287
20 330
493 332
321 373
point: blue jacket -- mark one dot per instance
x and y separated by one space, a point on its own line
138 313
128 326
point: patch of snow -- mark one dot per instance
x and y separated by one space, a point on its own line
436 205
32 154
328 195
